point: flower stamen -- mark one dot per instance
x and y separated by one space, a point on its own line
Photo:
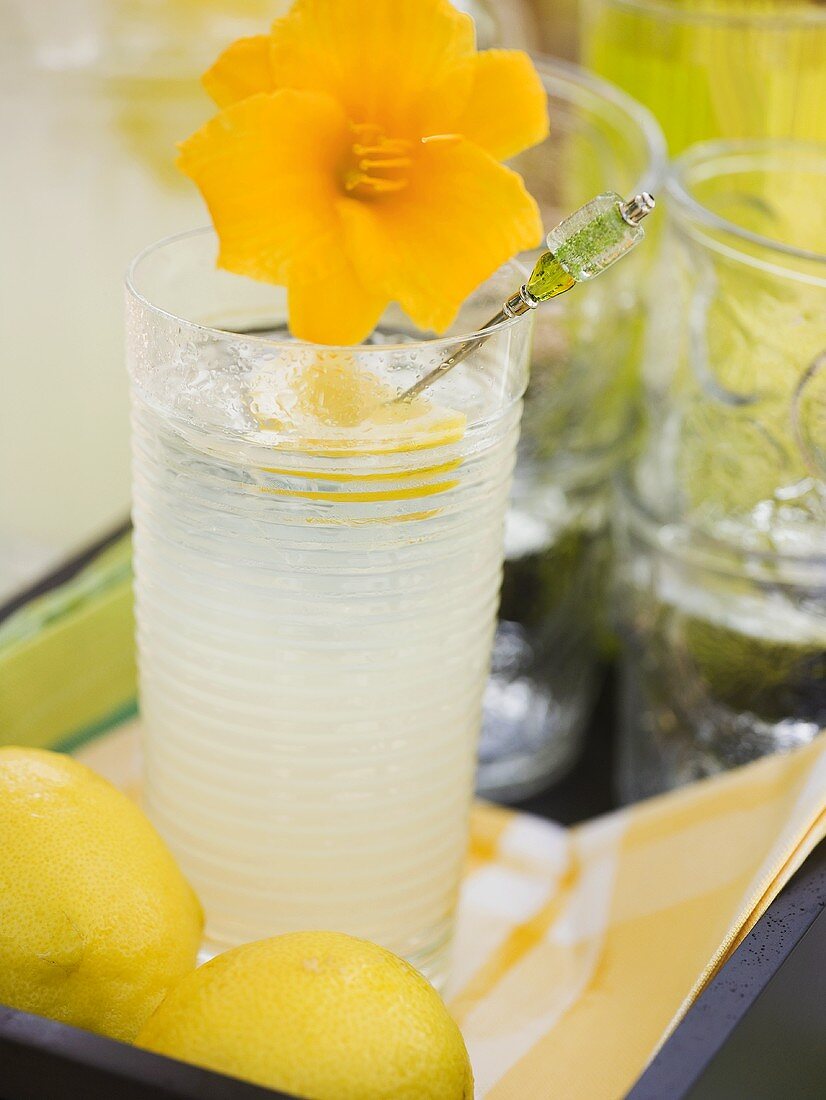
377 164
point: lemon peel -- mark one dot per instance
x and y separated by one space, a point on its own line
96 921
318 1014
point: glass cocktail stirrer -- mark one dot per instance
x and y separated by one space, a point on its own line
580 247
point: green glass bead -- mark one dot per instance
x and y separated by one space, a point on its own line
549 278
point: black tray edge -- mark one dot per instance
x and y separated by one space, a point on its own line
41 1059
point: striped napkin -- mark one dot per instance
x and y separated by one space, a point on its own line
579 950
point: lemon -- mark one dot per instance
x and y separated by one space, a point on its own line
319 1014
96 920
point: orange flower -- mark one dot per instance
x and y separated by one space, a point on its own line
356 156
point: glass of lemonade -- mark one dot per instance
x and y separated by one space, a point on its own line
317 577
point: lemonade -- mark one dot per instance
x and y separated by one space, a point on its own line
318 571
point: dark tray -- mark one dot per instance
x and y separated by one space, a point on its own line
758 1032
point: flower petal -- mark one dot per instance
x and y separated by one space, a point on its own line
507 108
334 308
461 217
268 168
242 70
378 58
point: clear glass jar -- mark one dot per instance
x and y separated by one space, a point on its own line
714 68
580 417
723 520
735 383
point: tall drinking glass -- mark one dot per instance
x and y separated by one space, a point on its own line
723 521
581 411
714 68
317 576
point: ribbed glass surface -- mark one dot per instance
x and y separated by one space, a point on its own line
312 668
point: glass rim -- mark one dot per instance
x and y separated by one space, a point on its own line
562 77
700 221
665 9
440 342
708 550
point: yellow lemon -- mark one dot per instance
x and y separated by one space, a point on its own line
96 920
319 1014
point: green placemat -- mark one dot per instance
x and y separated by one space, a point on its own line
67 658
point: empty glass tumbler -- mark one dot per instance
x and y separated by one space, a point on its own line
580 416
723 520
317 576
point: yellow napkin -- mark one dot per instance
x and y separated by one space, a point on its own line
579 950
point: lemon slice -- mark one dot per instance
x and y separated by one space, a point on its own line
335 407
331 407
